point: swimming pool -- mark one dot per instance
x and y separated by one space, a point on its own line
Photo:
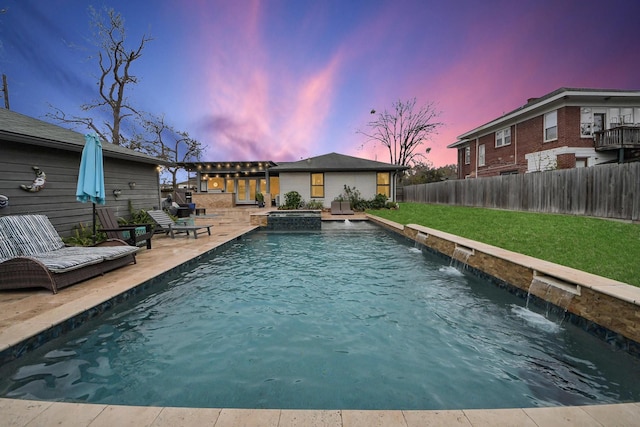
342 318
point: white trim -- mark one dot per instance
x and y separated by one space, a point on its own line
548 159
552 124
503 137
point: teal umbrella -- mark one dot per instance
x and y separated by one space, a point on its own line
91 176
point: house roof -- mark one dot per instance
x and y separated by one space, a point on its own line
16 127
235 168
559 95
334 162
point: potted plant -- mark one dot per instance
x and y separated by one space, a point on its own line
260 200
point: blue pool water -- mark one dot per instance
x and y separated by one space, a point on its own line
351 317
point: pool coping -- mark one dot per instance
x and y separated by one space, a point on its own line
621 331
17 412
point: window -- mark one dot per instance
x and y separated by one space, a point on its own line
614 117
317 185
383 183
551 126
503 137
467 155
626 116
481 155
586 122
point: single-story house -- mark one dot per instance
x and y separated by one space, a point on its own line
564 129
32 149
321 178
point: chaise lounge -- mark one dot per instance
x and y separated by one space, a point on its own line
169 226
32 255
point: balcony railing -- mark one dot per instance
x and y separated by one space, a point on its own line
618 137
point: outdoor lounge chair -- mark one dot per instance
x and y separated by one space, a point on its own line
171 227
32 254
134 235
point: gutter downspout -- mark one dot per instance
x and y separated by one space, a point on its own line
477 143
515 146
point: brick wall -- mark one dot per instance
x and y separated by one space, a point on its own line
571 128
465 169
526 137
566 161
498 159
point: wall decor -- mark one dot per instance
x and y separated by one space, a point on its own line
38 183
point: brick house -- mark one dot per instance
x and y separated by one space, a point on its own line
564 129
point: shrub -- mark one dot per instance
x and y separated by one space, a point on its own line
378 202
292 200
315 204
392 205
136 217
83 236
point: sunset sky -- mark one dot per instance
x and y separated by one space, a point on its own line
286 80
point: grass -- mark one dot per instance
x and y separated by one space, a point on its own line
603 247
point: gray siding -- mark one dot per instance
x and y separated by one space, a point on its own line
57 199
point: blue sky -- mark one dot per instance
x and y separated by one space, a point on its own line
285 80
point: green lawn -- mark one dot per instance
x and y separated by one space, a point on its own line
603 247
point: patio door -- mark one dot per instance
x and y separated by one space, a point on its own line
246 190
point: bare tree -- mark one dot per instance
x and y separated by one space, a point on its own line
163 141
404 131
114 60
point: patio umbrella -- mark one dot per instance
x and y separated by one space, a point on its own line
91 176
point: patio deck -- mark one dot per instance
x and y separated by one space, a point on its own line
26 313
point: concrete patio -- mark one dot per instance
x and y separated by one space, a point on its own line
27 313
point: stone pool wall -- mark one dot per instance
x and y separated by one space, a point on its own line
294 220
604 307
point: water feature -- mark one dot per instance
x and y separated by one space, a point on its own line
347 317
553 293
460 256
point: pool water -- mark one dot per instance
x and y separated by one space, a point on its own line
350 317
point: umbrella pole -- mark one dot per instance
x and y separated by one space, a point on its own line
94 223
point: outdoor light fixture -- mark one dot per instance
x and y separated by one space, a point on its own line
132 185
117 193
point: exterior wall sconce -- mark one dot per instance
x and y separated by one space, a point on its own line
132 185
117 193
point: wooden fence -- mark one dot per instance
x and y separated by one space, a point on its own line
606 191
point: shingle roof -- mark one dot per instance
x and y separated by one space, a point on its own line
17 127
334 162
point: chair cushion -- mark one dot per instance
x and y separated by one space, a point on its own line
114 252
32 234
8 248
140 231
74 257
67 259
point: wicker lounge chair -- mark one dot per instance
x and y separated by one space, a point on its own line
171 227
32 255
135 235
